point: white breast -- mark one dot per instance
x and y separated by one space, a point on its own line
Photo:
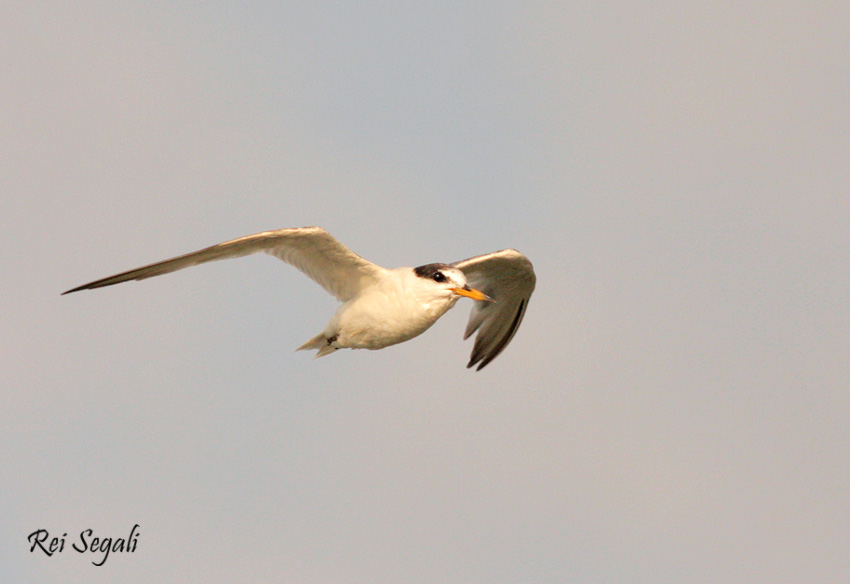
399 308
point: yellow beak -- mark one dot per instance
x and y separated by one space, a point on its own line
472 293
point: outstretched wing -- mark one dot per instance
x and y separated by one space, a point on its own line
507 277
312 250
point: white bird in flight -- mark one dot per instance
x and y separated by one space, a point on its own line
381 307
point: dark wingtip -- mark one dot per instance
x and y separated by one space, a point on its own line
495 351
483 363
77 289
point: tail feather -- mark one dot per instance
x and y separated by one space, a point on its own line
316 342
326 350
319 342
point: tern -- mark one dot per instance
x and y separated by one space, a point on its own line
381 307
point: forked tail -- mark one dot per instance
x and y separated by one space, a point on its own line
320 342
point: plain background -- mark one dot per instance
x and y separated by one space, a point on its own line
674 409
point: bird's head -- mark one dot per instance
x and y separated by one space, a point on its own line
448 280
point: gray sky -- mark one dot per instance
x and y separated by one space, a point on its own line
674 409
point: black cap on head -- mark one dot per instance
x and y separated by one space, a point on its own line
432 272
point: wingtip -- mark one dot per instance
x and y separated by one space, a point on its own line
89 286
480 362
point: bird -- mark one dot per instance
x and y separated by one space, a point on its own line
381 307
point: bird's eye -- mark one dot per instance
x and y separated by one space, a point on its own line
439 277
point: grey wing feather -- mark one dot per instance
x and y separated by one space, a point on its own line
507 276
312 250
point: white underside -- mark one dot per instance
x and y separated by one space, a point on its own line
394 311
